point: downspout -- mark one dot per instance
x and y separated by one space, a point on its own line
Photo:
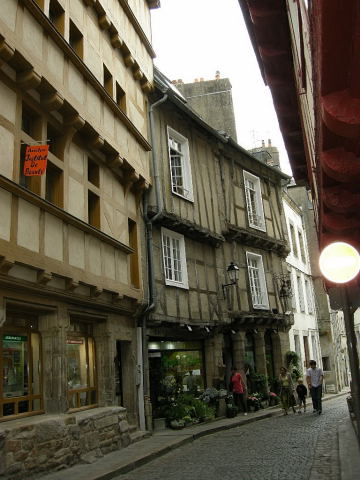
150 259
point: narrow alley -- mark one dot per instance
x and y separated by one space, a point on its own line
296 447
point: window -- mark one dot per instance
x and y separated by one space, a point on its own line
93 173
54 185
293 240
81 373
57 16
76 40
174 257
134 257
20 355
309 297
326 364
254 201
314 347
93 209
180 170
297 346
306 350
302 246
108 81
257 281
301 293
120 98
54 138
31 131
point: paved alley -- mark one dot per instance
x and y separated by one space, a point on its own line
293 447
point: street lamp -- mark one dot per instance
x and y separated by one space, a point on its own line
340 263
233 273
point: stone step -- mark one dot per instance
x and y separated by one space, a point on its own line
139 435
132 428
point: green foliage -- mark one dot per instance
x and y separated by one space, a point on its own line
185 406
293 364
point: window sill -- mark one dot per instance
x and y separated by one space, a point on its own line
189 199
170 283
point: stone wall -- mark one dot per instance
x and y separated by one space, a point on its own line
40 444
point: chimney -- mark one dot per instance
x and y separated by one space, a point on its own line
263 143
174 82
269 142
201 79
196 80
180 81
217 75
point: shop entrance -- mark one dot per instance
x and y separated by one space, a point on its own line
174 367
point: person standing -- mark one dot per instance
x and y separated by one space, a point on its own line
286 391
237 386
314 379
301 391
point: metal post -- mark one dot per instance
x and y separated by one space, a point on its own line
348 311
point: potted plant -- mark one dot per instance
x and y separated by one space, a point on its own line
273 399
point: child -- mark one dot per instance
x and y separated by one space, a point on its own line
301 391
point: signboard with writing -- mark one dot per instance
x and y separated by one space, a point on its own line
35 160
15 338
74 341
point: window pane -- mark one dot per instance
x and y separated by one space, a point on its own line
36 366
15 365
176 259
76 363
91 362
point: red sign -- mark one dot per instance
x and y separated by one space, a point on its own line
35 160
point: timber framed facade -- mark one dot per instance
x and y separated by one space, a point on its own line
249 327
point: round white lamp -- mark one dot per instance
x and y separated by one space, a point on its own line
339 262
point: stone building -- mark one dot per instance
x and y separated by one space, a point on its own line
304 334
74 75
213 206
330 322
212 101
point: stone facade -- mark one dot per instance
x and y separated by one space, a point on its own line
55 442
74 75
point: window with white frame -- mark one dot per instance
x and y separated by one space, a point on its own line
301 294
293 240
309 297
302 246
254 201
257 281
180 169
174 258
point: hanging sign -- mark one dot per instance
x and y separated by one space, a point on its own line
35 160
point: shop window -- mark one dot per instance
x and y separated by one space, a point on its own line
108 81
76 40
250 357
93 173
254 201
54 185
134 257
57 15
120 98
174 366
81 371
180 168
20 357
93 209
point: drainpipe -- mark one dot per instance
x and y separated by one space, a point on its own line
150 259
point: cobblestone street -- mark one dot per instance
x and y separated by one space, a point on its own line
293 447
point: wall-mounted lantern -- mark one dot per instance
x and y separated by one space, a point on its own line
233 274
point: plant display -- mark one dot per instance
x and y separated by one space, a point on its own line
293 365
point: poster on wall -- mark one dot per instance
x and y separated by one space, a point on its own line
35 160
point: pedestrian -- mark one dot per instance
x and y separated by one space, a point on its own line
301 391
286 391
314 378
238 388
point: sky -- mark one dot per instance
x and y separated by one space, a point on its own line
194 39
